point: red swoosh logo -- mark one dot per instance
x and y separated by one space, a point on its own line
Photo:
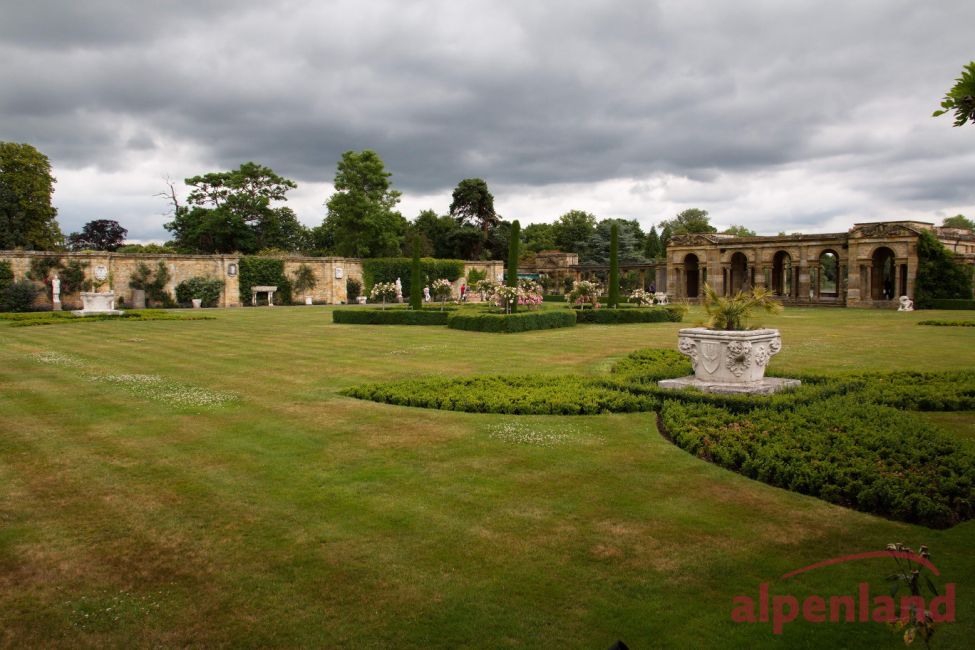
866 556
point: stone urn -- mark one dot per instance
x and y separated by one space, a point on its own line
101 302
197 303
727 361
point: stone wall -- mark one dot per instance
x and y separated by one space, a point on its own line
331 273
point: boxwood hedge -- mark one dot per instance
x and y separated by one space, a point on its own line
358 316
948 323
843 450
508 323
629 315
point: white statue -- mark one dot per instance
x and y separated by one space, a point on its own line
906 304
399 290
426 294
56 291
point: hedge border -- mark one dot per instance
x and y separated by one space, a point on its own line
359 316
510 323
620 316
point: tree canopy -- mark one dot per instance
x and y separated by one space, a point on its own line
738 231
361 221
961 97
473 204
958 221
692 220
231 211
27 218
573 230
99 235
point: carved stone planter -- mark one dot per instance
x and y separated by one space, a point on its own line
102 302
729 362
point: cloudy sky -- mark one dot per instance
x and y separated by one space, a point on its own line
779 115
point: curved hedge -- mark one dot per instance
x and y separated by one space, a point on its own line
617 316
508 323
359 316
843 450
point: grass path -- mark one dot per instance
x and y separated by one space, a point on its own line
297 517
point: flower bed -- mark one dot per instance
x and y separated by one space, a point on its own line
620 316
389 317
508 323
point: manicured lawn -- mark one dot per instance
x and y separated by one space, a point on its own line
236 499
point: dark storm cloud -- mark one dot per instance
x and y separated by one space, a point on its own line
567 92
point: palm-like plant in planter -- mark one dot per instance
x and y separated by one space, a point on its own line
726 356
733 313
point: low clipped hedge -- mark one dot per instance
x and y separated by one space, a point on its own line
553 297
509 323
950 303
842 450
389 317
618 316
948 323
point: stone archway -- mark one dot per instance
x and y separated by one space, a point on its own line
883 274
782 274
691 275
738 279
829 273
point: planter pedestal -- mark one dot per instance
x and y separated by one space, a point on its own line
101 303
729 361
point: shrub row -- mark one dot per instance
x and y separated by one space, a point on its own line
553 297
949 303
64 317
630 315
948 323
508 323
389 317
517 395
864 456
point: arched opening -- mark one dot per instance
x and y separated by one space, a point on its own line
782 274
691 274
739 273
882 274
829 273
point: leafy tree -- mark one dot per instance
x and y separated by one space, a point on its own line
539 237
630 242
473 204
692 220
361 217
738 231
231 211
99 235
27 218
465 242
939 274
665 235
614 265
435 232
961 97
573 230
511 278
958 221
652 247
497 242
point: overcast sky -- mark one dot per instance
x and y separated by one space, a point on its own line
778 115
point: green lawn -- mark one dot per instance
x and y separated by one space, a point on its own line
236 499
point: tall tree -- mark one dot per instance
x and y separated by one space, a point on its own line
665 234
652 248
231 211
435 231
539 237
738 231
514 255
572 231
692 220
99 235
630 242
958 221
361 211
473 204
27 218
961 97
614 265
